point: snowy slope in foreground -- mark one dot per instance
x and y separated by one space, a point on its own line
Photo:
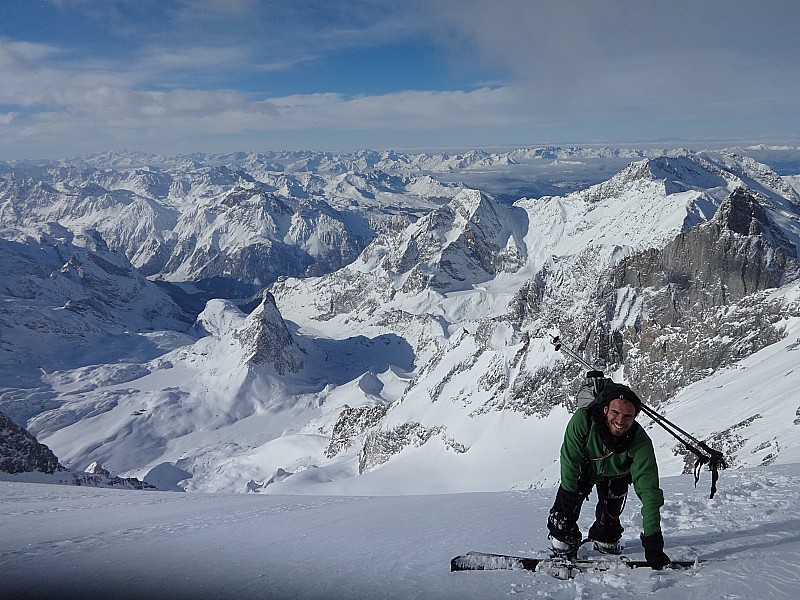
71 542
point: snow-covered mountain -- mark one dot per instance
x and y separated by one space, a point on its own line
396 326
228 230
69 300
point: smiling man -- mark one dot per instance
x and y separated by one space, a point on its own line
604 446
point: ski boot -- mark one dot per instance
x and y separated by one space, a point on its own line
608 547
563 551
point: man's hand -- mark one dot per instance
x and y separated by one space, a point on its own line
654 551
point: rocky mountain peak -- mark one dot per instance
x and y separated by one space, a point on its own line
267 340
743 214
697 288
470 204
469 239
740 251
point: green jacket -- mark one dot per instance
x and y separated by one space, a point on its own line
583 454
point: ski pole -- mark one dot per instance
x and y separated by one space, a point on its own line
591 373
668 424
569 352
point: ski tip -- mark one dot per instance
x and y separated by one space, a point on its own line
483 561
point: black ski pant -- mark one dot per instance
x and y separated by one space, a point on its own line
611 496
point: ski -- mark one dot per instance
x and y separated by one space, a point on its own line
558 567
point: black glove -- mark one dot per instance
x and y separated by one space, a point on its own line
654 551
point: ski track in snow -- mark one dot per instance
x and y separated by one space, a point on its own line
65 542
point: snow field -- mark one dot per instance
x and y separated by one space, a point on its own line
66 542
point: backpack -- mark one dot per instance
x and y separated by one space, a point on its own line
599 390
591 391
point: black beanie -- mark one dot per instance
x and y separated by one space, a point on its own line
613 391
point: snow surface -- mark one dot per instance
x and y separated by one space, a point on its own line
77 542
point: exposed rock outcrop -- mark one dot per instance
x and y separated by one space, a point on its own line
694 306
267 339
20 452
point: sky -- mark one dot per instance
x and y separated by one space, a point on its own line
177 76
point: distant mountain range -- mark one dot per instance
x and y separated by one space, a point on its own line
299 321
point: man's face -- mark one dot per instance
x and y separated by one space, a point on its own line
619 416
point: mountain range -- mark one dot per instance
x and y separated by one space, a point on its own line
333 323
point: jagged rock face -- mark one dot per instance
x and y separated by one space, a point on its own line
352 422
662 360
381 445
693 307
738 253
102 480
20 452
267 340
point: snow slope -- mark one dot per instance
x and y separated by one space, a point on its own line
76 542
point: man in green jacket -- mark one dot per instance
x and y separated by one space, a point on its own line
605 447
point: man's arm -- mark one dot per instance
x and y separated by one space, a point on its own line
571 455
644 473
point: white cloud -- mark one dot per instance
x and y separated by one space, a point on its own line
156 59
118 117
23 56
613 68
628 49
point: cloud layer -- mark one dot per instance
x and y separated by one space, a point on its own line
213 75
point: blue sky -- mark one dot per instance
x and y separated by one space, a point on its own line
82 76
